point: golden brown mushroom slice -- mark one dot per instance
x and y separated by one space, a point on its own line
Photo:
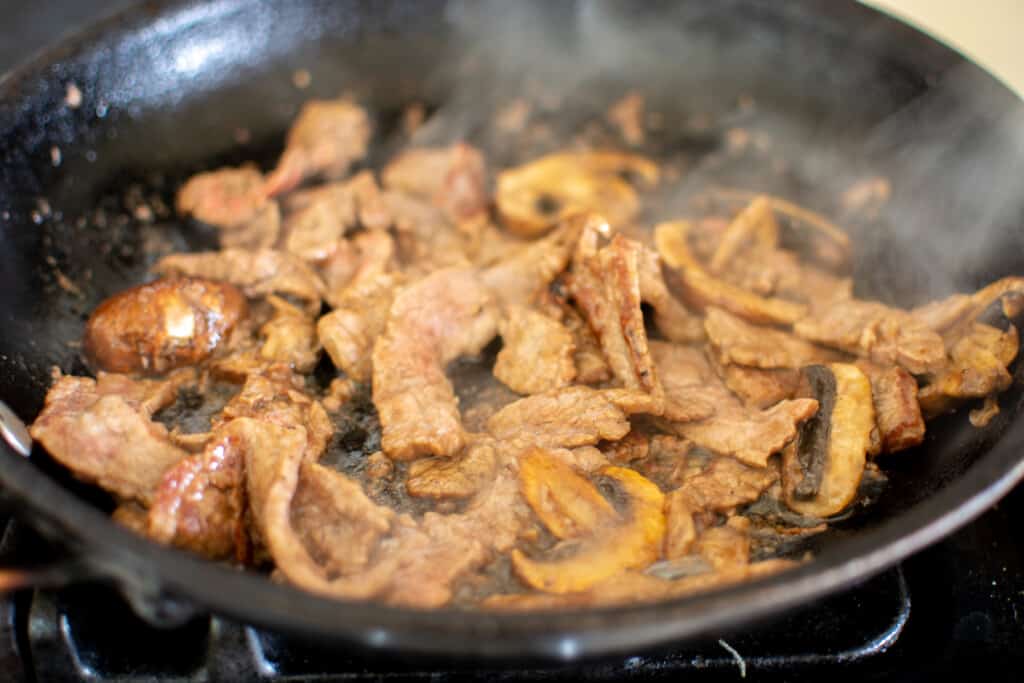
633 543
535 196
755 223
565 501
701 289
829 244
822 468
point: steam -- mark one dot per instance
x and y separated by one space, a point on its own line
822 119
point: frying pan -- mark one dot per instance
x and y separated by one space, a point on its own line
166 87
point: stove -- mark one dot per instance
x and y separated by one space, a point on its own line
951 610
947 610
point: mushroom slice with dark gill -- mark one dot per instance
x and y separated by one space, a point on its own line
822 469
535 196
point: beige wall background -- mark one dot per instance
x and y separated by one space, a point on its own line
990 32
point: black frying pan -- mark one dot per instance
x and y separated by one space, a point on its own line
845 92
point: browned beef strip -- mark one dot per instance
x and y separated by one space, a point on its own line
537 352
567 417
426 240
289 337
520 276
977 366
731 429
432 322
726 483
256 272
759 388
226 198
349 332
453 178
685 376
276 395
328 213
102 432
606 287
200 503
459 477
324 140
875 331
738 342
897 412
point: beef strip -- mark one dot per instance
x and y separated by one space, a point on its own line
537 352
520 276
289 337
453 178
567 417
426 239
432 322
324 140
759 388
227 198
200 503
680 530
730 429
685 375
897 411
725 484
277 396
606 286
360 316
736 341
748 435
256 272
344 545
591 367
875 331
275 455
327 213
338 525
101 430
725 547
369 255
459 477
978 365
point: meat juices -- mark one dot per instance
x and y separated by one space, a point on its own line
664 407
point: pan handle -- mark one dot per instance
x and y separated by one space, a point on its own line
145 597
57 573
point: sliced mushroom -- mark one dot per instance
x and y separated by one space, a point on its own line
829 244
823 467
565 501
533 197
754 223
635 542
701 289
162 325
